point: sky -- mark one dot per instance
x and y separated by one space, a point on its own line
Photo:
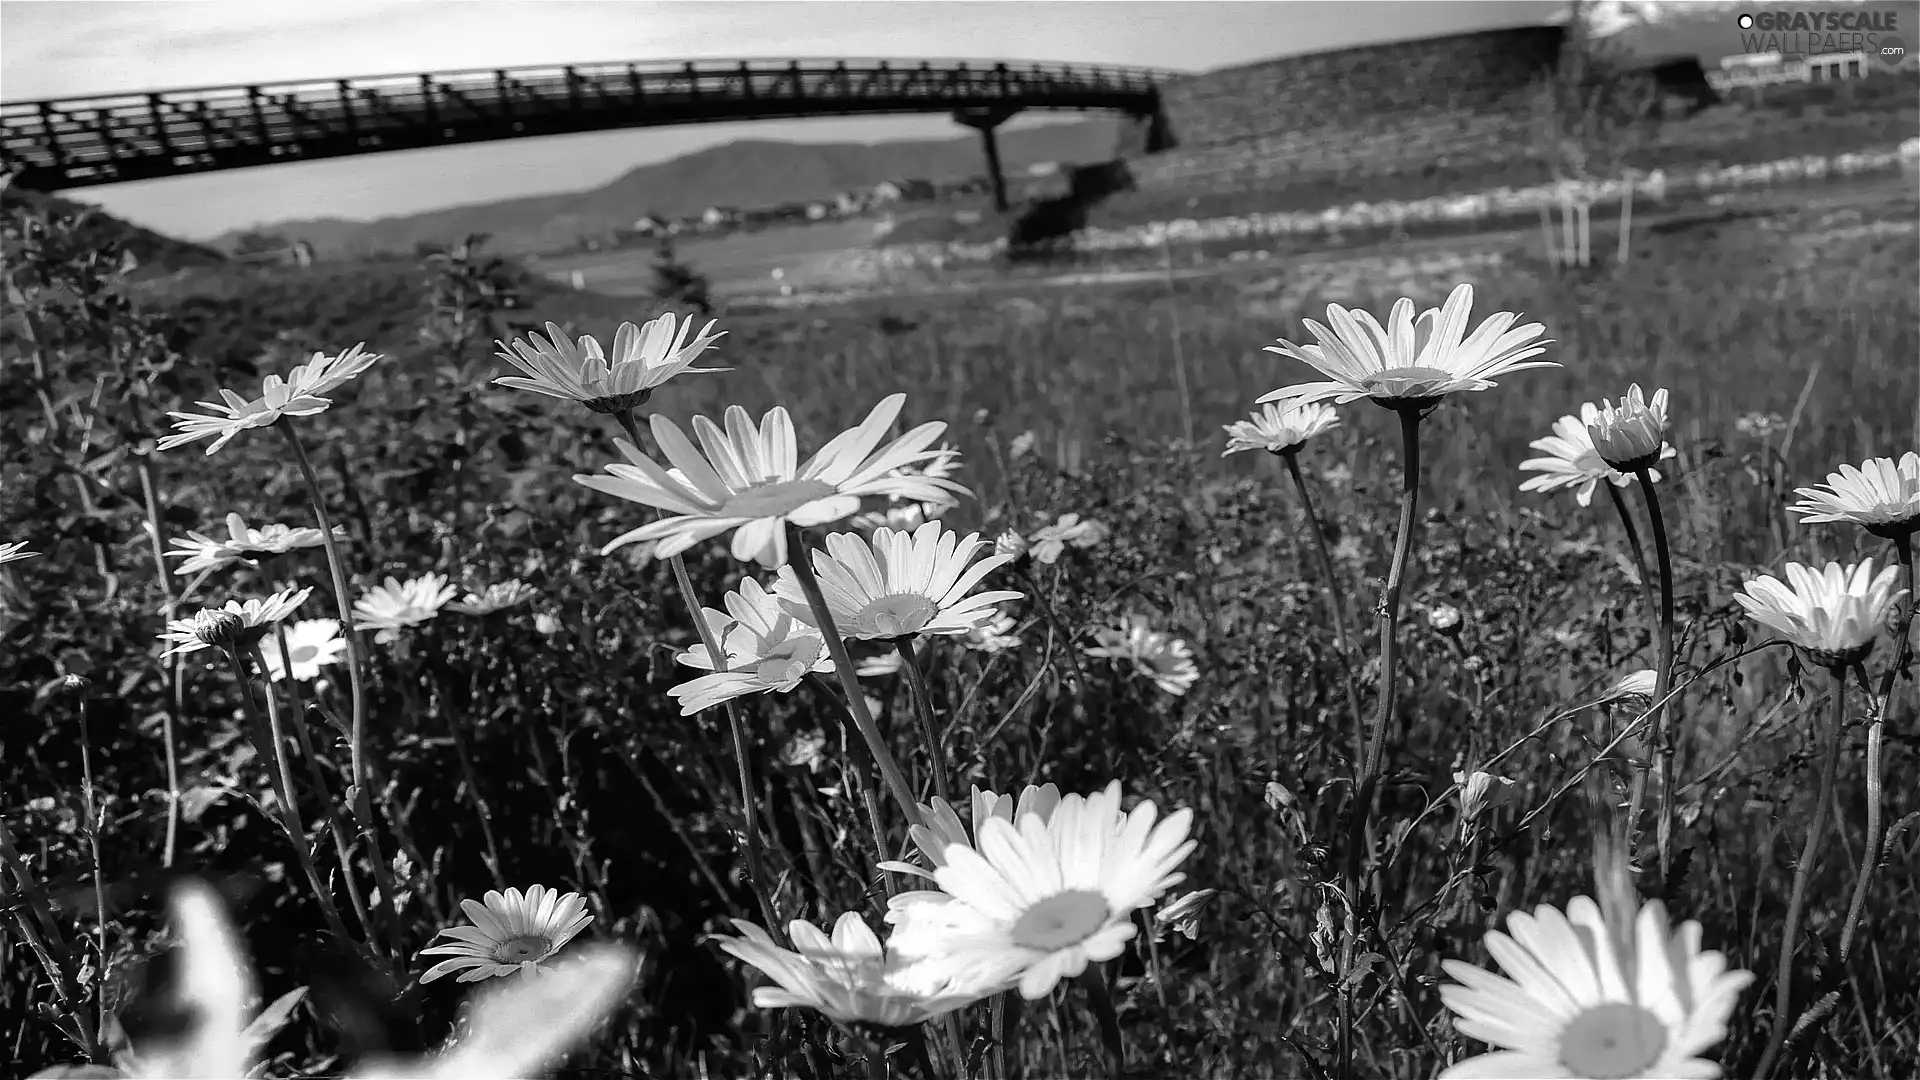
55 48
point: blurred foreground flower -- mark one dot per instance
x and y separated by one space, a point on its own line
1834 614
204 552
1881 496
1042 898
746 481
1281 429
1587 996
495 598
311 644
302 393
1631 435
237 626
1570 459
393 607
849 977
766 649
643 358
1410 361
1051 541
510 933
512 1033
899 584
1166 660
15 552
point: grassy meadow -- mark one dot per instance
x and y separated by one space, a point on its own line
538 745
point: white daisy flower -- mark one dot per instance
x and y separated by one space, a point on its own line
495 598
1049 543
15 552
1281 429
236 626
514 1031
1569 459
1632 434
899 584
995 635
1881 495
1043 898
766 650
644 357
311 644
393 607
746 481
204 552
1834 614
901 517
848 977
1586 999
1166 660
1410 361
940 827
510 933
879 665
1635 688
1760 425
302 393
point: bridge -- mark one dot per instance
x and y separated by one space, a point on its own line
110 139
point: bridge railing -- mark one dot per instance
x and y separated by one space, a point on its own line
192 128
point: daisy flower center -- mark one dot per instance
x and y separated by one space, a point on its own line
1060 920
1406 381
788 663
521 949
776 498
900 614
1612 1042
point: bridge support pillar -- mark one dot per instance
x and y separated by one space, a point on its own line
985 119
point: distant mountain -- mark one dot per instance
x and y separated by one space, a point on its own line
152 252
745 174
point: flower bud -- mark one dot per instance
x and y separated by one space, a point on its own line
1183 915
1633 690
1629 436
1480 794
219 628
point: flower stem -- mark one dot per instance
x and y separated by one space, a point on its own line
1796 903
1334 605
849 682
736 724
176 671
479 800
923 711
94 822
1633 543
1876 734
1662 731
318 779
1374 759
358 796
282 779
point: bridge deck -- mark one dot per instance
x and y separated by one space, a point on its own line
78 142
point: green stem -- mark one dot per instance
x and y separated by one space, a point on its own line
474 795
797 553
1876 735
1796 903
176 672
318 779
1334 606
282 779
736 723
1662 732
1374 760
93 847
358 796
923 711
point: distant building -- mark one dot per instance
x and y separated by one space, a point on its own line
651 225
715 216
1043 168
849 202
885 191
818 211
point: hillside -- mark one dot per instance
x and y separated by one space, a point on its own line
154 253
747 173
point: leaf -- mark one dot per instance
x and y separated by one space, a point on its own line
272 1018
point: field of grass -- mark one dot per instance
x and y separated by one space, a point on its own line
539 746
